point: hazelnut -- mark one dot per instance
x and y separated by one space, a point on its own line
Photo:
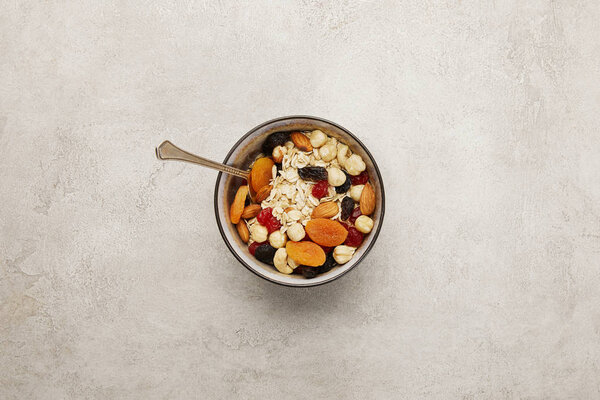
296 232
355 165
364 224
342 254
258 233
335 176
356 191
278 239
317 138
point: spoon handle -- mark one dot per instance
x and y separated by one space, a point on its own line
168 151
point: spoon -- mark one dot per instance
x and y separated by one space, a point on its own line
168 151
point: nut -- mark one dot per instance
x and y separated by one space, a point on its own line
328 151
335 176
355 192
251 211
259 233
318 138
243 231
367 200
278 153
355 165
296 232
301 141
278 239
281 261
263 193
364 224
294 215
342 154
291 263
342 254
325 210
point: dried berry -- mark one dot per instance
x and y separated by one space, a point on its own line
327 265
327 249
360 179
313 174
343 188
273 224
274 140
265 253
265 215
320 189
355 214
308 272
347 207
354 238
253 246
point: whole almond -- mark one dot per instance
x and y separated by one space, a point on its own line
325 210
263 193
243 231
251 211
301 141
367 200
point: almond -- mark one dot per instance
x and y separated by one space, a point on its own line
263 193
367 200
251 211
243 231
301 141
325 210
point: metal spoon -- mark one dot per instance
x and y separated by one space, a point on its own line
168 151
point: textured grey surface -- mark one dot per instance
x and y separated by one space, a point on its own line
115 283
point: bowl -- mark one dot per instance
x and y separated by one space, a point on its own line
244 152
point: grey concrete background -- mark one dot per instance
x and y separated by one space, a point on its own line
484 284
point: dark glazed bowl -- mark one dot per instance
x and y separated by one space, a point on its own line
241 156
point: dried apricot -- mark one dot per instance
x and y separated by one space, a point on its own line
326 232
261 173
305 253
237 207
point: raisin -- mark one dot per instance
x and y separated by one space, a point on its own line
308 272
327 265
274 140
354 238
313 174
253 246
265 253
360 179
347 207
343 188
320 189
355 214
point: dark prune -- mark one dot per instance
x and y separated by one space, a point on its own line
347 207
313 173
343 188
273 140
308 272
327 265
265 253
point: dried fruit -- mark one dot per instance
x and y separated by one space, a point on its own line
367 200
325 210
273 140
361 178
364 224
251 211
326 232
355 214
313 174
261 173
306 253
237 207
347 207
253 246
320 189
345 186
328 264
265 253
243 231
273 225
308 272
263 193
301 141
354 238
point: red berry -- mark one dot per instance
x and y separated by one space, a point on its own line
327 249
355 214
320 189
273 224
253 246
354 238
360 179
265 215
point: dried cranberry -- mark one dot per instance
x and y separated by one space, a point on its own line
354 238
265 215
355 214
320 189
253 246
360 179
273 224
347 207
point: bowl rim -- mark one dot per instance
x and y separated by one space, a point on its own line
375 234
